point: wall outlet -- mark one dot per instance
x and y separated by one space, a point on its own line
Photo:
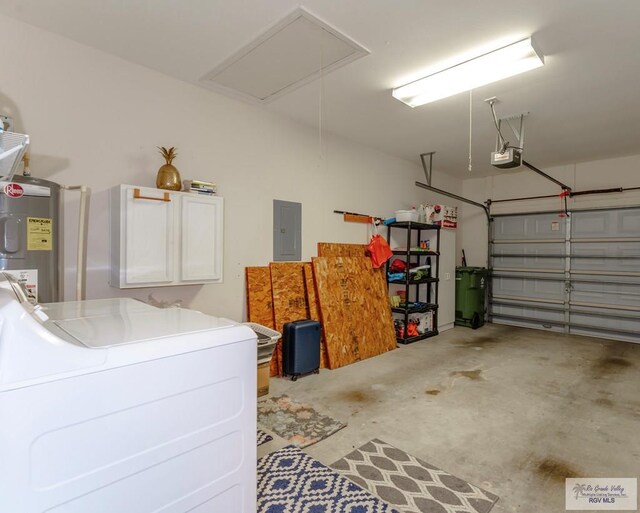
7 123
447 276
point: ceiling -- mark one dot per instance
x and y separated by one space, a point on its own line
584 103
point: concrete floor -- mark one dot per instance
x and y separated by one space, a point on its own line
512 410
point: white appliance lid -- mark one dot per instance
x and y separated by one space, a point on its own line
107 323
93 307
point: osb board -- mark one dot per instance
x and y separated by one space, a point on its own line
289 299
334 249
314 312
327 249
260 302
355 311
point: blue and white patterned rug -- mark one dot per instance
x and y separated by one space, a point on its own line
290 481
263 437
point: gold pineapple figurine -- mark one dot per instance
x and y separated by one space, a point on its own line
168 176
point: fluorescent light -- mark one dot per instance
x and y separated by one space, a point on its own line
502 63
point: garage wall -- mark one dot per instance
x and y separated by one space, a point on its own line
618 172
96 120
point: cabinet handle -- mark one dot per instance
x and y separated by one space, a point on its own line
137 195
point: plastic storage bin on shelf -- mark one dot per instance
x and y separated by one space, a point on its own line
406 215
471 285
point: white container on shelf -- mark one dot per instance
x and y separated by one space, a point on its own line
406 215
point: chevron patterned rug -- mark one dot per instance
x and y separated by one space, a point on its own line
290 481
409 484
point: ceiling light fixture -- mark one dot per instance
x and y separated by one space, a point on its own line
490 67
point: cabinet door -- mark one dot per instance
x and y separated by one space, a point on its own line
149 232
202 237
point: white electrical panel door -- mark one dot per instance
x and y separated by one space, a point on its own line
202 228
149 228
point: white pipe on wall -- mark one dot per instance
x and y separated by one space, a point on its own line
83 225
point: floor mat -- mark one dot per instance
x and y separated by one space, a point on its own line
263 437
290 481
297 423
409 484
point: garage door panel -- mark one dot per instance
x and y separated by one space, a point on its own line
612 265
529 312
527 324
604 333
629 223
614 294
585 277
594 268
531 288
601 322
545 226
625 325
606 223
530 249
590 224
615 256
529 256
600 295
528 262
609 249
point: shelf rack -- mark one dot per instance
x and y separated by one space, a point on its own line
431 280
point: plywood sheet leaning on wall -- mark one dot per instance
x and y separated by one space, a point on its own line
314 309
260 301
334 249
327 249
354 307
289 298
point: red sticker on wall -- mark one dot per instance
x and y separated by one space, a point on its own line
13 190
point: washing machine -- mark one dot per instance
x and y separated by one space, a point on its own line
115 406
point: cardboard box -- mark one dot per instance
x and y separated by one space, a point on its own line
263 378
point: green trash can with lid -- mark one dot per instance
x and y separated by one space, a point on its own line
471 286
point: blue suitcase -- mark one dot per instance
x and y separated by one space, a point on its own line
301 348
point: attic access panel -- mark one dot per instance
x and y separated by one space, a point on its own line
294 52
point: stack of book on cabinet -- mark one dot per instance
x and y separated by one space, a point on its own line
199 187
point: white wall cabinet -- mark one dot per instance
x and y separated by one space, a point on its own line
161 238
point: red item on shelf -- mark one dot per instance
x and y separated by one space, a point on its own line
398 266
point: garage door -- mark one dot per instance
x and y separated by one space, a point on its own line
576 274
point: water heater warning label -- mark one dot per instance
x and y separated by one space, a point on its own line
39 234
28 278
